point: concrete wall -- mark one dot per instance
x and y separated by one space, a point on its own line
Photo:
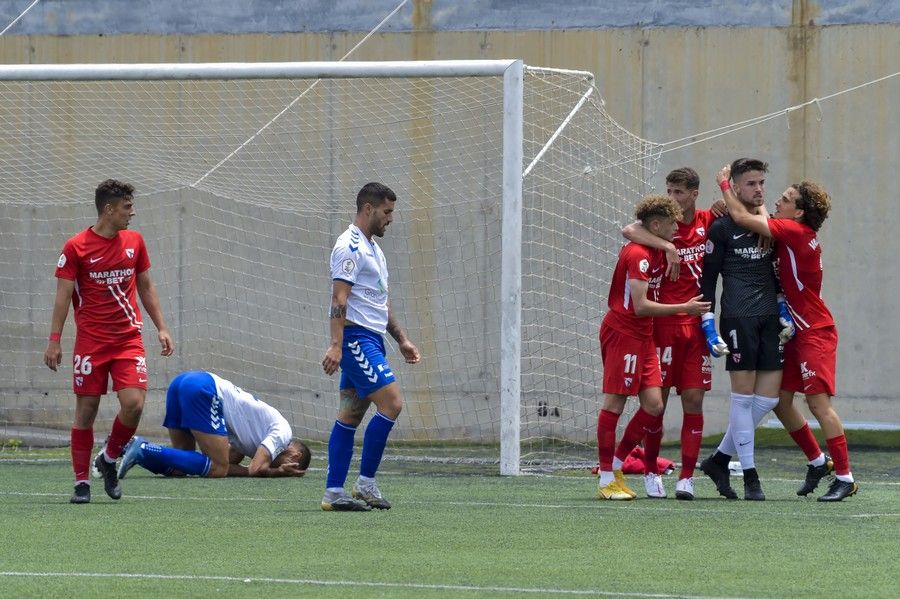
663 84
114 17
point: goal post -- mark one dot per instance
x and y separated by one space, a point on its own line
513 182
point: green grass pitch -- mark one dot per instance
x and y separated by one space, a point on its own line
450 534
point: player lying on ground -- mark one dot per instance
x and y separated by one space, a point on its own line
227 423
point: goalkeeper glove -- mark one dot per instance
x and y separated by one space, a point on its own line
787 323
716 345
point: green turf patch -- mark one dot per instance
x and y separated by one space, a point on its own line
451 534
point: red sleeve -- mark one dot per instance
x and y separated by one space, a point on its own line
638 262
706 217
67 265
143 259
784 229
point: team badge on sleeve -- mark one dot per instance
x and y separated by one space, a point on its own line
644 265
709 246
348 266
62 261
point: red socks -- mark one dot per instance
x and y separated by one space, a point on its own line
606 438
82 446
691 437
641 424
651 446
837 447
805 439
118 437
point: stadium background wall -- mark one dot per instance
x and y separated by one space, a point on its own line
665 72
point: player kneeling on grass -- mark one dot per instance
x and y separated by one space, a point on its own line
227 423
630 363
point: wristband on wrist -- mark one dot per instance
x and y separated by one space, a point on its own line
724 185
55 336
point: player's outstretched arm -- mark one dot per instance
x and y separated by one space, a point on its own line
637 233
337 319
758 223
407 348
64 290
149 298
643 306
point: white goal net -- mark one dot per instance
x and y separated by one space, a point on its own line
243 184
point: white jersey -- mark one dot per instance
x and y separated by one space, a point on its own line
251 422
360 262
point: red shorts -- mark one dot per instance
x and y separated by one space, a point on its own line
92 364
683 356
809 362
630 365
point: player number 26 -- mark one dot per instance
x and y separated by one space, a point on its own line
83 365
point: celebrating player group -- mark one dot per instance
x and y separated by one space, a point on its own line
779 337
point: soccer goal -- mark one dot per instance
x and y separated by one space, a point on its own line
513 183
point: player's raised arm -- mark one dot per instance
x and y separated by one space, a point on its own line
64 290
758 223
643 306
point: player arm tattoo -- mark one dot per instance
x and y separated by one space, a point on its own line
393 327
339 311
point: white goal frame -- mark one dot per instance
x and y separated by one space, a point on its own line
512 72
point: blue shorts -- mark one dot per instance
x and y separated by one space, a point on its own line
192 403
364 366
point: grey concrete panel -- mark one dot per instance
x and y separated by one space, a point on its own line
176 17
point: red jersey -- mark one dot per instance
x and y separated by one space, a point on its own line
105 274
644 264
690 242
799 269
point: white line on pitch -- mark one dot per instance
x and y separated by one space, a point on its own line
596 505
352 583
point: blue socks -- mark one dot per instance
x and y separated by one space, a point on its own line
163 460
340 451
374 442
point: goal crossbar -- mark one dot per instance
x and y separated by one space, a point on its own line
246 70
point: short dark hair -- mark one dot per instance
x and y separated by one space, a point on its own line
112 191
815 203
744 165
684 176
375 194
305 454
